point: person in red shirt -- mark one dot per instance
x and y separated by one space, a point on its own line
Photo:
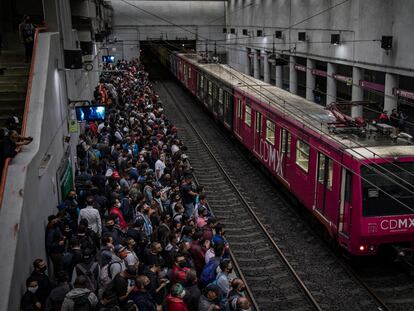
175 299
115 210
179 269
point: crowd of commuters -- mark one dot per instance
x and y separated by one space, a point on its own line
137 233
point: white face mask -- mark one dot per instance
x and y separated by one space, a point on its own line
33 289
118 205
182 294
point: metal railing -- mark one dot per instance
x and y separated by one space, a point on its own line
25 113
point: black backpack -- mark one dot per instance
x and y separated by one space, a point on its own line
82 303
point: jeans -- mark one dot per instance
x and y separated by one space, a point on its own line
189 209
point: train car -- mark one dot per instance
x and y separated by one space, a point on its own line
215 93
360 187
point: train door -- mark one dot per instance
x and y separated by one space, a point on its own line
239 116
284 150
257 131
345 208
324 183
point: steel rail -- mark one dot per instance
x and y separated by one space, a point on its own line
301 284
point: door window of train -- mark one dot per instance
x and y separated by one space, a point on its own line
302 155
325 170
201 82
189 72
239 108
285 139
248 116
258 124
348 187
220 95
270 132
210 88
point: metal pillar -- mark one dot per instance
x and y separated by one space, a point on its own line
331 84
310 79
357 91
293 77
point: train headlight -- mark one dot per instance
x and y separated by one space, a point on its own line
362 248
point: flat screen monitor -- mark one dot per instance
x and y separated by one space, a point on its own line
90 113
108 59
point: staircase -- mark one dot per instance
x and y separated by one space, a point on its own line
14 74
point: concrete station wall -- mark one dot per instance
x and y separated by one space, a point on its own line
194 20
360 23
32 193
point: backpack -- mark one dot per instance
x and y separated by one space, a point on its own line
82 303
209 273
90 277
105 277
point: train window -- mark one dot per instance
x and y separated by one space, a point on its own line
325 170
189 72
285 139
248 116
220 93
258 123
348 187
270 132
210 87
383 195
302 155
239 108
201 81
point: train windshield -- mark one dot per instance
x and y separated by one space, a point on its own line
387 189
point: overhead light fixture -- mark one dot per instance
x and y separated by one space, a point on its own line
335 39
301 36
386 42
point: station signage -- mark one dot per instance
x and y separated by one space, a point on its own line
372 86
300 67
404 93
321 73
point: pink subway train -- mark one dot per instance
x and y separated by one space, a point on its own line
355 178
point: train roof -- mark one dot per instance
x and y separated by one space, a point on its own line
307 113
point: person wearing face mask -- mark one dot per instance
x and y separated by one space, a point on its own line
237 290
116 210
88 268
208 301
243 304
179 269
140 294
131 258
223 281
110 229
43 281
175 299
30 301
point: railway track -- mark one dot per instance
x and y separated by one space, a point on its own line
332 283
269 274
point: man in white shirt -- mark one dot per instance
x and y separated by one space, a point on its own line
92 215
160 166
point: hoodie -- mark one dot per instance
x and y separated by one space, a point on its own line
176 304
69 302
